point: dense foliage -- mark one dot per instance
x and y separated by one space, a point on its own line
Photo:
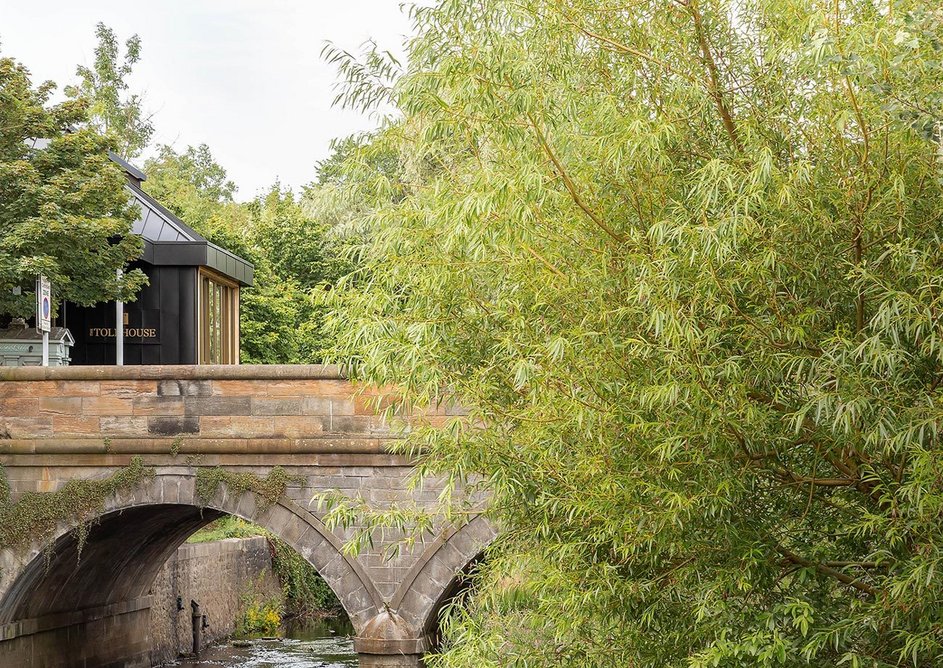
682 263
64 211
304 593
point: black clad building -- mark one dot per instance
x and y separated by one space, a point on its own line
189 314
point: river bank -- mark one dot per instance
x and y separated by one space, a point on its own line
246 584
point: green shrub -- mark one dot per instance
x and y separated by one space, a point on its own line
306 593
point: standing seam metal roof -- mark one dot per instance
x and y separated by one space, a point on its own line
170 241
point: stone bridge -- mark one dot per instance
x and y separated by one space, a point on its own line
85 601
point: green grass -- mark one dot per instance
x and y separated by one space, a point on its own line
226 527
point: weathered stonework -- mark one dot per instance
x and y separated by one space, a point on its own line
217 575
58 424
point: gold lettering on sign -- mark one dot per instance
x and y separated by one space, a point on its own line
130 332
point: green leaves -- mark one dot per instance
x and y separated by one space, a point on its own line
103 87
680 262
64 211
297 245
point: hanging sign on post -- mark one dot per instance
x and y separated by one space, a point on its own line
43 305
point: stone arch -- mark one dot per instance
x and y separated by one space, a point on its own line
428 584
140 528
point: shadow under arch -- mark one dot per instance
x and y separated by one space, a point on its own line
139 530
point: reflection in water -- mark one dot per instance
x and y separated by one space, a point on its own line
323 644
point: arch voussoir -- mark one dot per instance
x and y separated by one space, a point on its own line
422 592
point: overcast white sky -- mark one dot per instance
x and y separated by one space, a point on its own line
244 76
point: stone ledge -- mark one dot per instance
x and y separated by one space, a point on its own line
51 445
176 372
26 627
384 646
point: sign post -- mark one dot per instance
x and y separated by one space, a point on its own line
44 313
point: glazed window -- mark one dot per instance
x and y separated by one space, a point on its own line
219 320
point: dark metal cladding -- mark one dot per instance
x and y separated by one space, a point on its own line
170 241
161 325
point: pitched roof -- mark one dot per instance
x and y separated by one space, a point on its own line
167 239
156 223
170 241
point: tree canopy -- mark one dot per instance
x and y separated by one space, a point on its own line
104 85
289 239
64 211
681 262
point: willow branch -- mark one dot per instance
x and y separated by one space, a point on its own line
714 88
570 186
826 570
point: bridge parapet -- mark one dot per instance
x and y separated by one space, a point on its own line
277 408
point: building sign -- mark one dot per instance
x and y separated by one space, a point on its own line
43 305
146 331
129 332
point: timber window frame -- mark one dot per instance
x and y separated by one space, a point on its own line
218 318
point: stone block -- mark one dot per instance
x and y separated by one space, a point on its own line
78 388
60 406
246 507
73 425
275 405
294 426
276 518
35 388
218 406
26 427
318 405
441 573
297 533
171 492
154 405
334 569
236 427
391 661
237 388
21 406
123 425
128 388
173 425
106 405
353 424
357 600
184 388
318 551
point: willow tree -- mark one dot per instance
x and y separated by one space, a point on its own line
682 263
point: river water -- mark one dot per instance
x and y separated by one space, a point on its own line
322 644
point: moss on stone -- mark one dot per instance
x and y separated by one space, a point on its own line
268 489
36 515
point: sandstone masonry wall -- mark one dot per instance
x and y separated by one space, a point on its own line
67 423
217 575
